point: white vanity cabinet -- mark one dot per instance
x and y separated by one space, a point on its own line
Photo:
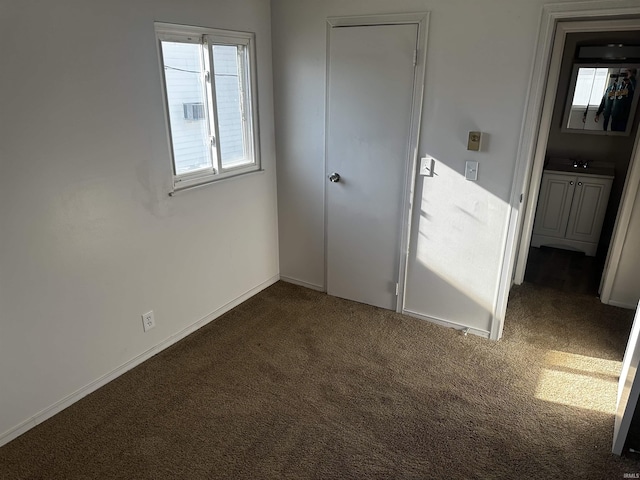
571 209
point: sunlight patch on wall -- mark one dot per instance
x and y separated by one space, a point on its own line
458 232
579 381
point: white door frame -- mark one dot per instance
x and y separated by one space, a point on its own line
421 19
628 388
534 132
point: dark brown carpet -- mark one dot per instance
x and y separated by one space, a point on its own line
297 384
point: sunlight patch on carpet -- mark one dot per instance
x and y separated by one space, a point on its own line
579 381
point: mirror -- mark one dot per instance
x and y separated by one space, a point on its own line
602 99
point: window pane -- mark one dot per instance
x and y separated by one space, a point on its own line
599 86
184 76
229 82
584 85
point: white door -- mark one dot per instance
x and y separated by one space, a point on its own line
628 387
370 92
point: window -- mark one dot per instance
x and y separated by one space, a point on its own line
590 86
193 111
210 99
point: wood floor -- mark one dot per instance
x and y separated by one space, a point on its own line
564 270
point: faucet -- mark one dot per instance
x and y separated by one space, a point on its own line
580 164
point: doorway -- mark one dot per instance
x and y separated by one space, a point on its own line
534 139
564 259
372 120
573 270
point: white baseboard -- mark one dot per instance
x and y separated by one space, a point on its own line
630 306
295 281
449 324
69 400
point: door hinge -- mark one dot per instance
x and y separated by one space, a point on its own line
397 289
415 57
521 197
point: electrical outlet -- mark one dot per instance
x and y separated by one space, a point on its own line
148 321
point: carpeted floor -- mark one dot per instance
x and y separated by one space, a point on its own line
297 384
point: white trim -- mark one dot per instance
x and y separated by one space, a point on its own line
525 168
325 198
224 179
628 389
621 227
421 19
383 19
69 400
448 324
179 37
187 30
588 248
414 141
528 137
629 306
301 283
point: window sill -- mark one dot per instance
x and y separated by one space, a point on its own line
204 183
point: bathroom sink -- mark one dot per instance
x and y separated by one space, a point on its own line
603 170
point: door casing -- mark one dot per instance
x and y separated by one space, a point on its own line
628 388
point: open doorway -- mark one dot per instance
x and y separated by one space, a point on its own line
549 143
554 93
584 171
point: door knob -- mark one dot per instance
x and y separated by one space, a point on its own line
334 177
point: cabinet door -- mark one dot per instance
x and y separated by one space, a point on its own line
588 209
554 204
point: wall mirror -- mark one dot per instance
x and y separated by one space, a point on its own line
602 99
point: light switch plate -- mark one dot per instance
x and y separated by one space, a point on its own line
475 141
471 170
426 166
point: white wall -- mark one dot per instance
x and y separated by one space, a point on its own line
478 68
89 238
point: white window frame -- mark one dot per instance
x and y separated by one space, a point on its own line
207 37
